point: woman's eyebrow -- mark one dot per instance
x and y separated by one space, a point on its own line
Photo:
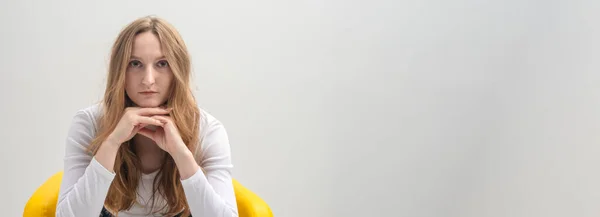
135 57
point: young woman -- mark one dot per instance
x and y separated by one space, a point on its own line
147 149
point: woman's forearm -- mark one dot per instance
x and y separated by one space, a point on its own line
106 155
88 192
186 164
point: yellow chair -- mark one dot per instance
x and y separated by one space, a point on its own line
43 201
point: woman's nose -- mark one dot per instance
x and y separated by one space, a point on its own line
149 77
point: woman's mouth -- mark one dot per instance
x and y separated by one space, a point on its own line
147 93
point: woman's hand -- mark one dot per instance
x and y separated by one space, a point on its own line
133 120
166 136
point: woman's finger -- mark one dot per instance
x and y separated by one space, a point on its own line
148 121
138 127
152 111
163 119
147 133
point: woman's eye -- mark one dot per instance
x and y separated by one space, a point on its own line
135 63
162 63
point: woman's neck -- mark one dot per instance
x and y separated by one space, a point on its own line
151 156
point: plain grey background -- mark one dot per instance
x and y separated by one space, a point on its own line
341 108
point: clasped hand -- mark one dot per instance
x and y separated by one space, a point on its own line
137 120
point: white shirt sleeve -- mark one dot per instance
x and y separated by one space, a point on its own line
211 193
85 181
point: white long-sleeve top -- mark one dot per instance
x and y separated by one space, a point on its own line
86 182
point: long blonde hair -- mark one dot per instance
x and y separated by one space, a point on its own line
122 193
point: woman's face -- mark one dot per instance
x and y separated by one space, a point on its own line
148 77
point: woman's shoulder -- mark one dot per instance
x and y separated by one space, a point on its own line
83 128
207 119
208 123
213 136
88 116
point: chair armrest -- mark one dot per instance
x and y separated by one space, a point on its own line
43 201
250 204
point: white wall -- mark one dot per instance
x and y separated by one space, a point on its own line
341 108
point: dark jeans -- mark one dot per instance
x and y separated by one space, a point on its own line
105 213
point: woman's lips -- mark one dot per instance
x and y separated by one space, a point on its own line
148 93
